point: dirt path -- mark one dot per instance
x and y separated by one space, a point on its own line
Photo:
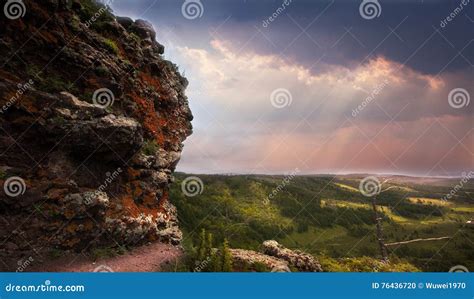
148 258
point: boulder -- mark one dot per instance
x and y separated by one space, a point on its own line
302 261
242 257
126 22
143 29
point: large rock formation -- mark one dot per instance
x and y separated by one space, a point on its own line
92 123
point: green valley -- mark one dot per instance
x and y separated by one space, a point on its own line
329 218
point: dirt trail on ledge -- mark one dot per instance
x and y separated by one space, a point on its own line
148 258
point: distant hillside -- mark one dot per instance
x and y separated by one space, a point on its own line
329 217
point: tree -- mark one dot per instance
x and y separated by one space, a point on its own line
379 231
201 252
226 257
208 247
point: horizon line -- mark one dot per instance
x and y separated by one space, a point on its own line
324 174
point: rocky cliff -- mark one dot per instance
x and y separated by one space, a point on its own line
92 123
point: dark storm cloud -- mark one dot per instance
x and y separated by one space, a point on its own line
403 26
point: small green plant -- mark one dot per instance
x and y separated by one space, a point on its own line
226 257
88 97
49 82
205 258
75 24
150 147
102 71
109 110
3 174
260 267
33 71
201 251
38 208
111 46
58 120
95 14
55 253
135 38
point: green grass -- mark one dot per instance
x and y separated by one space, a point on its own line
112 46
364 264
49 82
150 147
135 38
90 9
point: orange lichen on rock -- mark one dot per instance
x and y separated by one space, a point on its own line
135 210
146 111
152 81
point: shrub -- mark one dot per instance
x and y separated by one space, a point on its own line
55 253
51 83
102 71
75 24
226 257
95 14
135 38
365 264
150 147
261 267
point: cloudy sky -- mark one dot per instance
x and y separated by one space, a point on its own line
322 86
